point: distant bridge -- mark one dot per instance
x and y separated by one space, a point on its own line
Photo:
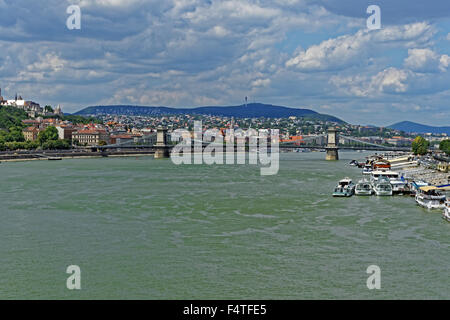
332 146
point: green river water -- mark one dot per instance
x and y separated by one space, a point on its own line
141 228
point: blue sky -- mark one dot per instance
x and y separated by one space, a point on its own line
315 54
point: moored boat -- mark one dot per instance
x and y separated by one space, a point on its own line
429 197
382 187
381 164
367 169
399 184
446 214
363 188
345 188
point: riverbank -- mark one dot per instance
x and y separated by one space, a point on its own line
419 168
46 156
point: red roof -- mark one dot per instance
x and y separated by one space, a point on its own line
31 129
91 131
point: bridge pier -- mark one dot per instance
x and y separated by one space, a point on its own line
162 149
332 145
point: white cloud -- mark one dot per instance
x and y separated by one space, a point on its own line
391 80
261 83
444 61
348 50
195 52
426 60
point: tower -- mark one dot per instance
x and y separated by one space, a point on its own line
162 149
332 145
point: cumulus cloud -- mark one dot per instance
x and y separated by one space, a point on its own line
348 50
426 60
194 52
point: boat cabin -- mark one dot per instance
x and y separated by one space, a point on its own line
375 175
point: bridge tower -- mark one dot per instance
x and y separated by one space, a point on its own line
162 149
332 146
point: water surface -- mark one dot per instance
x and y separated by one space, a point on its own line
141 228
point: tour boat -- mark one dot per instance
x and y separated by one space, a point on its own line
345 188
377 174
363 188
382 187
429 197
446 215
381 164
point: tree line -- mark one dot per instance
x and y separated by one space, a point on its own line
420 146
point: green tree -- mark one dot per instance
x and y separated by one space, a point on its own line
56 145
48 109
14 134
420 146
49 134
11 117
445 146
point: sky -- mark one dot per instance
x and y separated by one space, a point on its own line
316 54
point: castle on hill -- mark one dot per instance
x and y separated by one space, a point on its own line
33 109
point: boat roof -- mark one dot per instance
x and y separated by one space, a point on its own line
429 188
384 172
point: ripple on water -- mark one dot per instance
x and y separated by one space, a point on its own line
165 231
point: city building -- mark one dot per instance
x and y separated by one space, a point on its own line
66 131
90 137
31 133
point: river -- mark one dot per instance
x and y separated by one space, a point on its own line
140 228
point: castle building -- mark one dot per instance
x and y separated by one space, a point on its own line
32 108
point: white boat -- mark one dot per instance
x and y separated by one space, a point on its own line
377 174
345 188
399 185
429 197
446 215
367 170
382 187
363 188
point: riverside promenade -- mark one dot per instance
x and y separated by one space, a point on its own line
12 156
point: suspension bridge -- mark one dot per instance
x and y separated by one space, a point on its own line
162 148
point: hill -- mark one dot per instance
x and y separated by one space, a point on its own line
408 126
252 110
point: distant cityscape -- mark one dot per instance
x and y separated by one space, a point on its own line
111 129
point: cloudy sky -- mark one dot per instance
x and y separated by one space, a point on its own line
316 54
